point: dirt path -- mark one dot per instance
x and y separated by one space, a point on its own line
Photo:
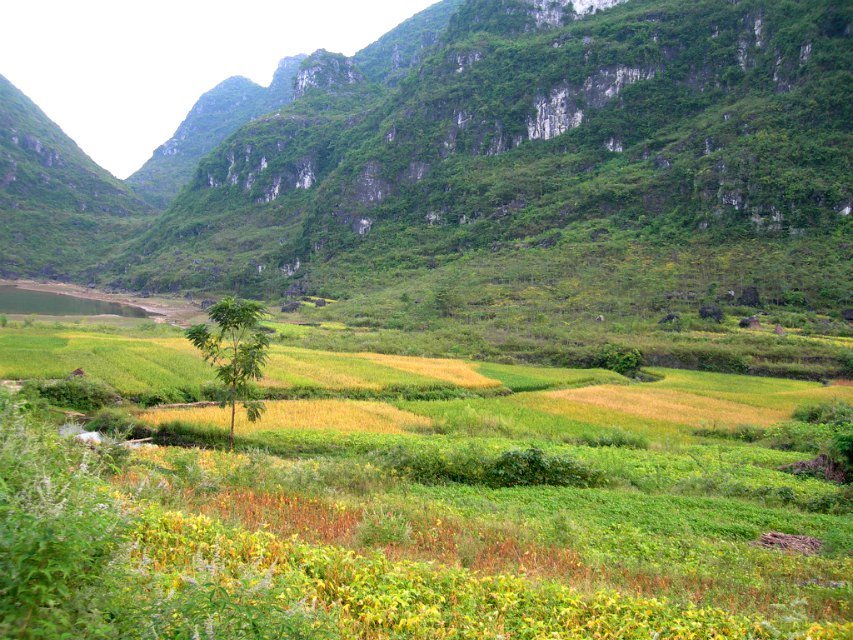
172 310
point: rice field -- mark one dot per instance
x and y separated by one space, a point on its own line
162 361
342 416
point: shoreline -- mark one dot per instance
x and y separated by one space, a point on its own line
161 309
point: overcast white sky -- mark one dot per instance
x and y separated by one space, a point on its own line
120 75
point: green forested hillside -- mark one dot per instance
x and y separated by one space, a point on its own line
661 129
219 112
60 212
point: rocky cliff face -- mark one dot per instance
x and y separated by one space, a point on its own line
217 114
554 13
325 71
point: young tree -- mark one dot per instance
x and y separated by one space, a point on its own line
237 349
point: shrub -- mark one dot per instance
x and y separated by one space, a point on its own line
514 468
519 468
799 436
76 393
380 527
117 422
3 322
615 438
58 533
744 433
841 450
712 312
623 360
837 413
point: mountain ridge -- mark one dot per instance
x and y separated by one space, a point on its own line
216 114
61 212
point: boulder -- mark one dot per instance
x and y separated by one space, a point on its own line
847 315
290 307
752 322
778 330
319 302
77 373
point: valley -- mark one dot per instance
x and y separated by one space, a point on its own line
531 319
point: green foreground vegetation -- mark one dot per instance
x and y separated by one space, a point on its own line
408 497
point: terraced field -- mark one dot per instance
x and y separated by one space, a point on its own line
409 497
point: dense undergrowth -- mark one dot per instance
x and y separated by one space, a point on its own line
82 559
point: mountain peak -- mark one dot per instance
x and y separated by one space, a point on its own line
326 71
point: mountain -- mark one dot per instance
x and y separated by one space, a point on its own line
390 58
689 121
60 211
215 115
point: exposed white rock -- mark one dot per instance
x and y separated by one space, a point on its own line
743 53
609 82
555 114
843 209
232 178
805 52
465 60
417 171
433 218
371 187
211 181
614 145
559 112
250 181
291 268
263 164
391 135
462 119
362 226
553 13
273 192
306 177
758 30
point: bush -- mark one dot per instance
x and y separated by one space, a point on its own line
522 468
75 393
623 360
380 527
841 450
837 413
58 533
743 433
800 436
615 438
712 312
117 422
514 468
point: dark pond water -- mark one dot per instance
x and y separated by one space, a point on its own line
22 301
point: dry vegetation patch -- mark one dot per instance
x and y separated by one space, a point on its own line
662 406
333 415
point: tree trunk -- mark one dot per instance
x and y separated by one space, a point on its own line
231 433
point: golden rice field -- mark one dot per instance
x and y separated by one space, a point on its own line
457 372
662 406
342 416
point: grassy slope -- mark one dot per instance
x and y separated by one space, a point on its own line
61 212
